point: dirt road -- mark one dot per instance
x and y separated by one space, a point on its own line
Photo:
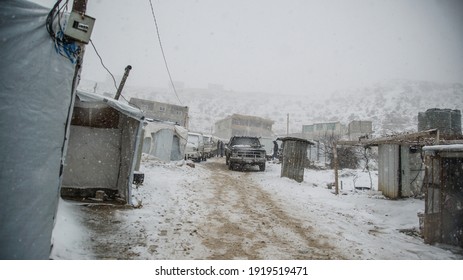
209 212
213 214
246 222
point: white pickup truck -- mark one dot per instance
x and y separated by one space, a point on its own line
195 147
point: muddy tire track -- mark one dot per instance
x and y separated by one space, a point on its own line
245 222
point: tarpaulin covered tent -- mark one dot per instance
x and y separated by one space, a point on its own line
165 140
102 152
35 103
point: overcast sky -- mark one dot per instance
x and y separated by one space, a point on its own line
294 46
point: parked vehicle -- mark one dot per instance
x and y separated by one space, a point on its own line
210 146
194 149
244 150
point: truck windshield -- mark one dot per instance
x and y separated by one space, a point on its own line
253 142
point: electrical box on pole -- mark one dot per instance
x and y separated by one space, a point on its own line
79 27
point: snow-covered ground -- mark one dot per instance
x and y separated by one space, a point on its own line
178 210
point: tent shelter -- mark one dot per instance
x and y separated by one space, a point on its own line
102 152
35 104
164 140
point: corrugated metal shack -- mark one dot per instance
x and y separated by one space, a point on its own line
400 170
400 162
294 157
443 218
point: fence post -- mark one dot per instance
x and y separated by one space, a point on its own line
335 159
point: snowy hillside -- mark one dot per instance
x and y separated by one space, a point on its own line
393 106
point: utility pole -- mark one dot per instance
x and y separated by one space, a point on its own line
335 159
78 6
287 125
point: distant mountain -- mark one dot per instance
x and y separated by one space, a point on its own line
392 106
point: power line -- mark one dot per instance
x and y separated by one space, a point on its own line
112 76
162 51
101 60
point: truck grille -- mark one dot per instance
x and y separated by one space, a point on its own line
249 154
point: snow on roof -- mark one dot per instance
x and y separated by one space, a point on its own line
118 105
444 148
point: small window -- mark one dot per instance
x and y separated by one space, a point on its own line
162 109
330 126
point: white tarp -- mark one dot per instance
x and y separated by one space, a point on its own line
35 100
165 141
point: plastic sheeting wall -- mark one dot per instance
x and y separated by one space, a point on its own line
165 141
162 144
35 99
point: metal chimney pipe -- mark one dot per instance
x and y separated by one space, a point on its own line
121 85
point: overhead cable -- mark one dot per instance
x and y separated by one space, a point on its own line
162 51
101 61
106 68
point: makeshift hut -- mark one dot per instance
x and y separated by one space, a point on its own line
443 217
294 157
400 162
164 140
36 96
102 151
400 170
